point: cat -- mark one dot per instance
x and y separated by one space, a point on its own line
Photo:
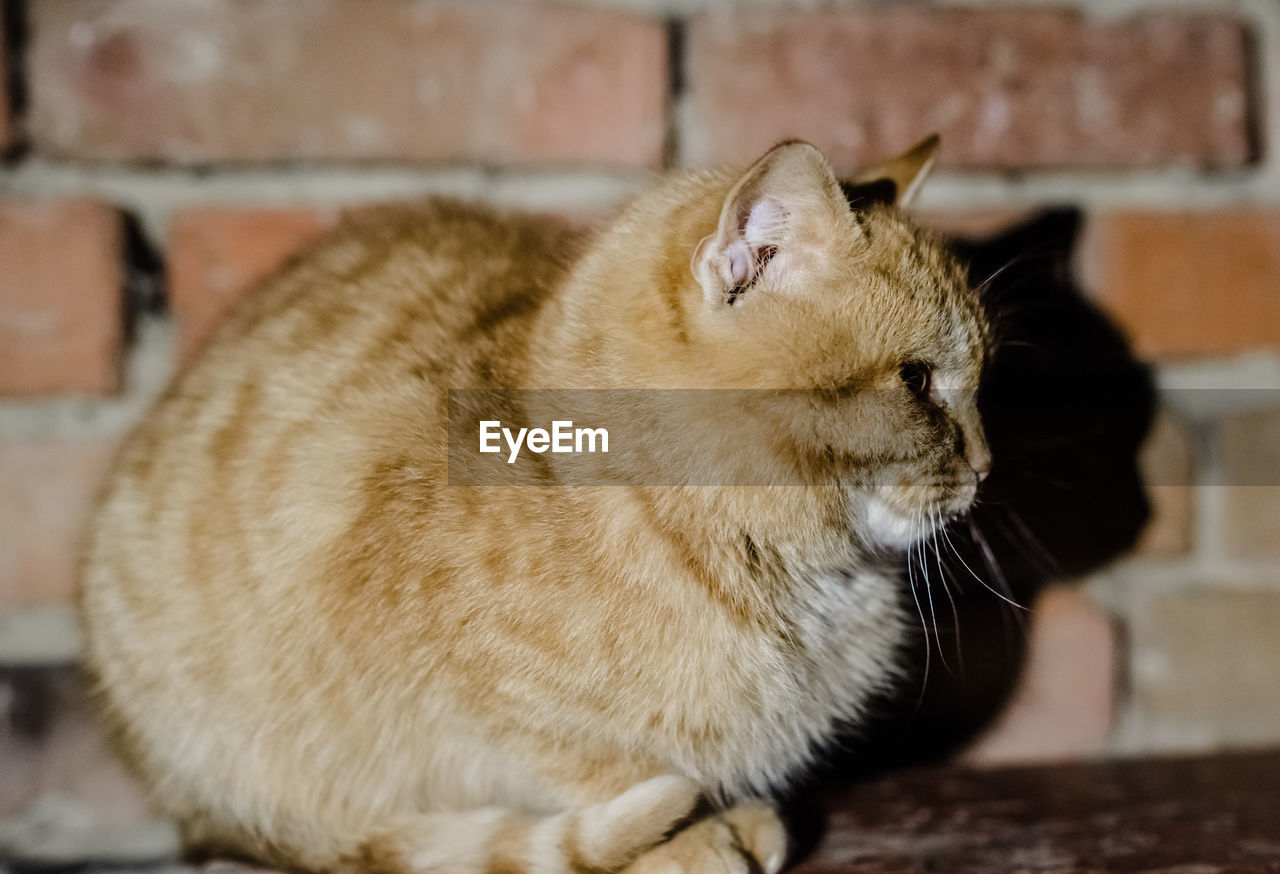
324 651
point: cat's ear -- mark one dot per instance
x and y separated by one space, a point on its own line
894 182
780 204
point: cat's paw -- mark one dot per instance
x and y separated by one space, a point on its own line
761 834
747 839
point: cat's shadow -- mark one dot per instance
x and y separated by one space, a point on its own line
1066 407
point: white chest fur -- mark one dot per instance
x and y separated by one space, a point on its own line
843 646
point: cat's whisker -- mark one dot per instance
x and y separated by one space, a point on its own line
1032 546
910 564
946 487
993 565
1007 599
924 625
942 577
933 613
982 286
1029 257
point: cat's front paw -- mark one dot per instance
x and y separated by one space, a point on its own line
747 839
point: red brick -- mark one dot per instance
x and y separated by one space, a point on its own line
1204 669
377 79
61 310
1065 700
1005 88
217 253
49 488
1166 464
64 794
6 122
1189 283
1249 447
975 224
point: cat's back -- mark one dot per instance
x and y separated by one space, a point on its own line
382 315
421 289
328 381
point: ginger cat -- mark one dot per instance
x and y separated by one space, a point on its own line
322 653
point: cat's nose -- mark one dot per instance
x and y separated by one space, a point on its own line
981 463
975 449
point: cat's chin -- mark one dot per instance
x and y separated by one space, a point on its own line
891 529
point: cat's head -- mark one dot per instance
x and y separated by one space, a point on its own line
830 290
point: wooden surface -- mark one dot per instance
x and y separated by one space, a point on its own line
1175 816
1207 815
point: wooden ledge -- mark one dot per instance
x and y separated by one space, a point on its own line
1190 816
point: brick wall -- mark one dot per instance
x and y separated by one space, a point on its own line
159 157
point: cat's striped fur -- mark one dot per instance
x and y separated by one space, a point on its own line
320 655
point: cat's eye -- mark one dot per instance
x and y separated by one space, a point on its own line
918 377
